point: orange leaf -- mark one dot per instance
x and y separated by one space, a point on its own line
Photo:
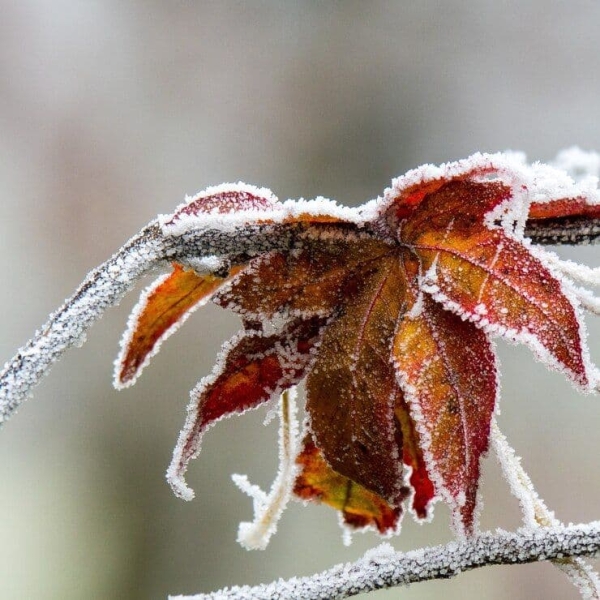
161 309
448 374
360 507
491 278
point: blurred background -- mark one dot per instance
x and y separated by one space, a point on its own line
110 112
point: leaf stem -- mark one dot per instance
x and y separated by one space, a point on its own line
268 508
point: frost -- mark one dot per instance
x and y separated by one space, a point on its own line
536 514
206 264
575 271
268 508
579 164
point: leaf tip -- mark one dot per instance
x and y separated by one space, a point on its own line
176 480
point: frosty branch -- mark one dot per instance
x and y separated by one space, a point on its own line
382 567
105 286
386 310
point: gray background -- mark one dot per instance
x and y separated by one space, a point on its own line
109 113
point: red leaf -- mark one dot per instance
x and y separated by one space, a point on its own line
448 374
412 456
405 201
226 198
254 369
492 278
563 208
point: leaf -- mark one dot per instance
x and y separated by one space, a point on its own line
493 279
403 202
254 368
360 507
562 208
312 280
226 199
169 301
448 374
351 391
163 307
412 456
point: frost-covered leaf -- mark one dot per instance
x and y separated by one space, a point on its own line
563 208
421 485
163 307
312 280
227 198
491 278
447 370
388 312
360 508
352 389
253 369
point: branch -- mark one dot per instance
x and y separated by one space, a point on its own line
384 568
106 285
536 514
566 230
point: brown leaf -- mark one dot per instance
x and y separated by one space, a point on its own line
311 280
352 388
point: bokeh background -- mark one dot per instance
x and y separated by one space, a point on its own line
110 112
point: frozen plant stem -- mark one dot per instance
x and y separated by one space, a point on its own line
384 568
537 515
269 507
